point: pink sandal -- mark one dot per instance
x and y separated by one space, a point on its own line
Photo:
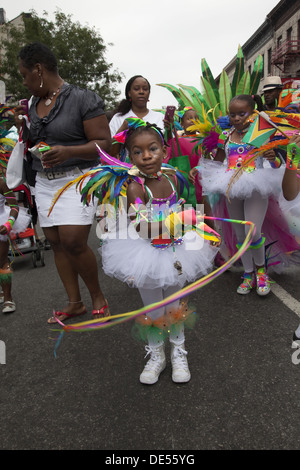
102 312
57 314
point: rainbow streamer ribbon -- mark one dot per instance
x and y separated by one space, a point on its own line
112 320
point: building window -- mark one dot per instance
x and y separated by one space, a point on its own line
263 68
279 41
289 38
269 65
249 69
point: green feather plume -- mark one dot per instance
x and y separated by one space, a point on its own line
244 84
175 92
197 98
225 93
239 71
208 76
256 75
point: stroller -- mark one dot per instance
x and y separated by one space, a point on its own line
25 242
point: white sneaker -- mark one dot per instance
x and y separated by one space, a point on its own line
181 372
9 306
263 285
154 366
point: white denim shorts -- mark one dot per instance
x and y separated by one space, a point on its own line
69 210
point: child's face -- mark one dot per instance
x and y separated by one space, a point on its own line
239 112
187 120
147 152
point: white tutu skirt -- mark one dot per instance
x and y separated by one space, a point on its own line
20 225
135 261
215 179
291 211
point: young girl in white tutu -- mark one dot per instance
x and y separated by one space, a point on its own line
12 219
155 252
249 195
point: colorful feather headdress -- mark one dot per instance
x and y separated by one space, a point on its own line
109 181
212 102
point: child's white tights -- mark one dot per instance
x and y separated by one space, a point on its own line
253 209
151 296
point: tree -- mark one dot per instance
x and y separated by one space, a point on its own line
80 51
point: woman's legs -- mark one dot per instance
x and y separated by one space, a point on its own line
73 258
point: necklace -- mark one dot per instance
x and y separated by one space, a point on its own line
243 131
153 175
50 98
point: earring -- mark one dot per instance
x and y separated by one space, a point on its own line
42 82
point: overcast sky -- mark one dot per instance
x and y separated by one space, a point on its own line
162 40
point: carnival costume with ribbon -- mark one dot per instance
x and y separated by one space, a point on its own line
172 259
126 255
225 178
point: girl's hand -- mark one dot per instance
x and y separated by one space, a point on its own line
18 116
217 244
192 175
168 124
295 139
270 155
3 230
55 156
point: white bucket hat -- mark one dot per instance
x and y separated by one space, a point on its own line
271 83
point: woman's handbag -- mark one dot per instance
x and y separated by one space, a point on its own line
15 172
18 170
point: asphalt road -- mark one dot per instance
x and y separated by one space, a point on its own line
244 391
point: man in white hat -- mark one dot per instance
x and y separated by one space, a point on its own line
271 91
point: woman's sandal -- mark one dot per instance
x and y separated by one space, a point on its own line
57 314
102 312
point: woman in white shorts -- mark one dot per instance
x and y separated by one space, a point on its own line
70 121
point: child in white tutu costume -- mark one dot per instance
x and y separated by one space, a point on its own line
290 203
12 219
157 251
249 194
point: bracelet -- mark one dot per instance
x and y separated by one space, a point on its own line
276 163
293 156
8 226
11 219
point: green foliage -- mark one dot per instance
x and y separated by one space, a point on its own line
80 51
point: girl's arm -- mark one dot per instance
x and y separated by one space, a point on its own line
290 182
14 208
220 155
115 148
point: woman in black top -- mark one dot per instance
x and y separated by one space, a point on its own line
70 121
